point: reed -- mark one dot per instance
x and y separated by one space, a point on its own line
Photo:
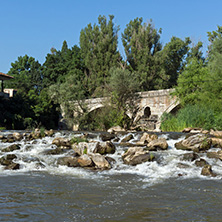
190 116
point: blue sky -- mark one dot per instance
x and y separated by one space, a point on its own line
33 27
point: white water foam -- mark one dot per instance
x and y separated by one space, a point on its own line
168 164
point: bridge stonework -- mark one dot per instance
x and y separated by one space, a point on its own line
151 105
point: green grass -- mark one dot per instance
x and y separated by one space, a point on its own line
191 116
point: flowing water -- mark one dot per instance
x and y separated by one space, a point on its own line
161 190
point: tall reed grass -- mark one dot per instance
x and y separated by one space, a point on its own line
191 116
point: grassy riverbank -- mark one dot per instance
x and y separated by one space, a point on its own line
192 116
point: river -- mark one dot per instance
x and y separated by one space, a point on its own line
161 190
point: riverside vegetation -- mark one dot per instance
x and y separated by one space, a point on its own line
96 68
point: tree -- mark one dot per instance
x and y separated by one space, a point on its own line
173 59
123 86
215 34
142 45
27 74
213 84
190 86
36 108
70 96
98 45
58 64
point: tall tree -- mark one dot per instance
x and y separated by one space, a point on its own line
142 44
27 73
191 81
99 49
57 65
213 85
123 86
173 61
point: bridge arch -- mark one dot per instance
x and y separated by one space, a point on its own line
173 107
147 112
150 104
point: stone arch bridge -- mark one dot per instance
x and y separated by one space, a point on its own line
151 106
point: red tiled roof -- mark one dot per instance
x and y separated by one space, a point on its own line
5 76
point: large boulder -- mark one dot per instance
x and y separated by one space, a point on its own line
84 147
146 138
49 132
8 139
136 155
201 162
127 138
69 161
100 161
156 144
11 148
105 148
107 136
85 161
13 166
62 142
216 142
196 143
7 159
215 155
17 136
192 130
116 129
216 133
207 171
189 156
94 147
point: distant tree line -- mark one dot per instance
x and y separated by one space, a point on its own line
96 68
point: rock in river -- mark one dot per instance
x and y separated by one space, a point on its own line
195 143
136 155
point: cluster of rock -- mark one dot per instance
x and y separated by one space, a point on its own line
36 134
95 154
86 154
8 159
200 143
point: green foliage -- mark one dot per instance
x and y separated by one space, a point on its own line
31 106
173 55
60 63
190 82
99 49
190 116
103 119
78 140
215 34
29 123
71 75
142 45
42 131
70 95
123 86
27 74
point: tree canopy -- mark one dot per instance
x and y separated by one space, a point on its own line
95 68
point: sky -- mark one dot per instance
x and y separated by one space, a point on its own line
33 27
